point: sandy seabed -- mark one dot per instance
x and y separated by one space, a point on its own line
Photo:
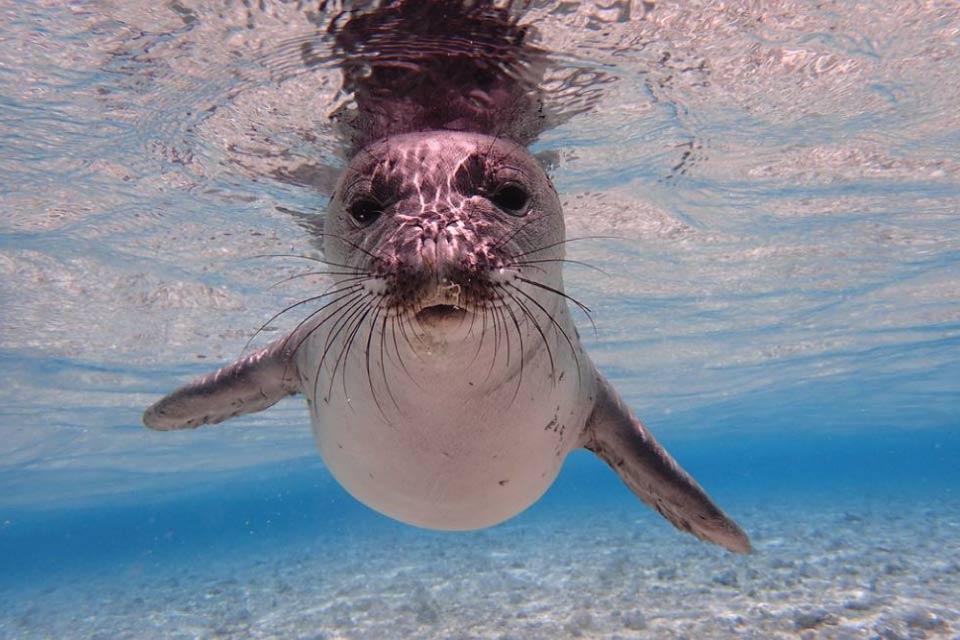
881 569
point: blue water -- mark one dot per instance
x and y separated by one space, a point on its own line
782 309
274 504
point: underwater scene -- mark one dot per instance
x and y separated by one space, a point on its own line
479 319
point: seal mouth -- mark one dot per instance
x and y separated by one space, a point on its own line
440 314
443 305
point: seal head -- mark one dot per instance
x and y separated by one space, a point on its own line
444 219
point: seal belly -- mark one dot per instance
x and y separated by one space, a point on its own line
449 451
438 483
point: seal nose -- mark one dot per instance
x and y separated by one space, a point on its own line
438 246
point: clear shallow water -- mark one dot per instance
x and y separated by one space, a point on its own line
781 308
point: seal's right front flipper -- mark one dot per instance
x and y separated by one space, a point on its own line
250 384
616 436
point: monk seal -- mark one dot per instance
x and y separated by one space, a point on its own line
445 378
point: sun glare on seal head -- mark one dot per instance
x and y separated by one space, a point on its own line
446 238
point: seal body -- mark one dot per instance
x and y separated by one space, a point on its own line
444 375
449 446
452 421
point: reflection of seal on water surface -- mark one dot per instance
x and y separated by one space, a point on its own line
445 378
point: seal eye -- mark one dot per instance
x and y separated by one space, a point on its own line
511 198
365 211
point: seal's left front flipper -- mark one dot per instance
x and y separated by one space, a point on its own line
618 437
250 384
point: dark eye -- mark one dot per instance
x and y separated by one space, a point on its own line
511 198
365 211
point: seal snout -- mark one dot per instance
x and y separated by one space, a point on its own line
432 274
440 244
437 249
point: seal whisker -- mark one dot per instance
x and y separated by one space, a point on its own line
329 292
352 244
349 297
473 322
344 315
383 360
520 266
503 336
403 330
406 321
516 323
511 234
373 325
337 316
347 316
406 336
354 276
356 321
506 333
558 327
394 322
565 261
580 305
561 242
335 236
543 336
493 313
483 332
352 269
